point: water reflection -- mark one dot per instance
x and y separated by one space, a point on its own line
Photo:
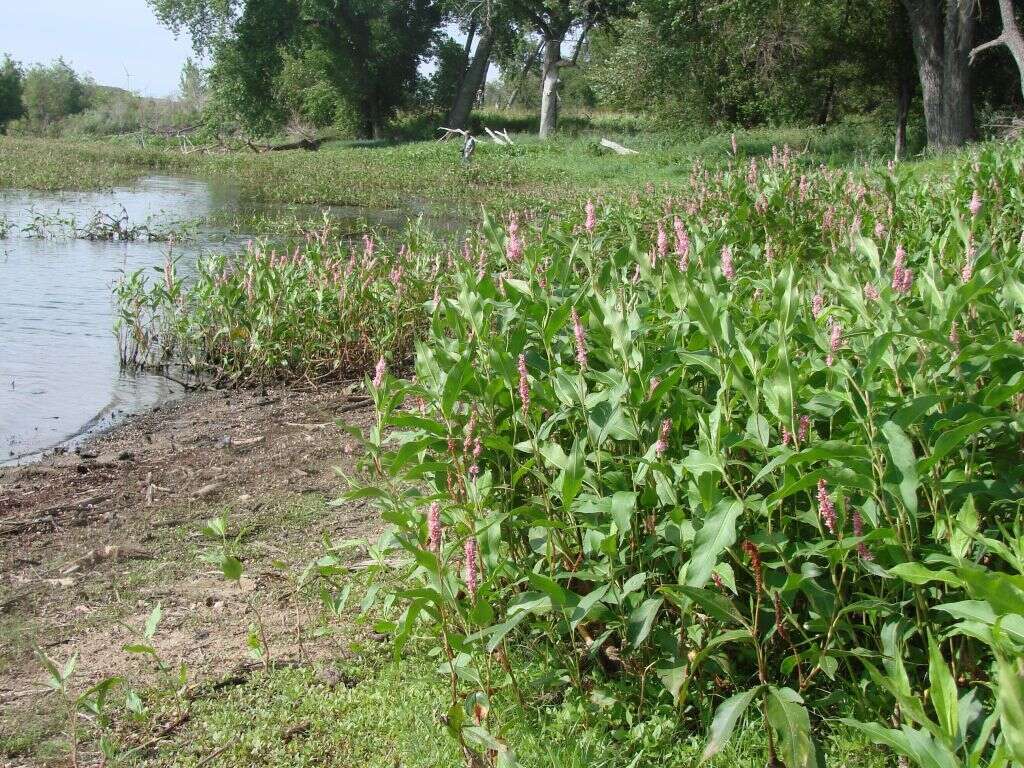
59 371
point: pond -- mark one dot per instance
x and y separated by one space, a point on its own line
60 376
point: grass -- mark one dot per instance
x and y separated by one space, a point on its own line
346 173
392 715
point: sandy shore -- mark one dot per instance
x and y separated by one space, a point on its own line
91 540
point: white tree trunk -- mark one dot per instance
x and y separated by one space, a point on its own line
549 87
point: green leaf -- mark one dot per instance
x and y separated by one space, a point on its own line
789 718
571 478
152 622
955 438
726 717
714 537
138 648
915 573
642 619
672 674
715 605
942 692
1010 703
586 603
896 740
902 452
231 567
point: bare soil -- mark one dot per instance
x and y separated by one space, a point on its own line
91 541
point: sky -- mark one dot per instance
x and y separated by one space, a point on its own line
102 38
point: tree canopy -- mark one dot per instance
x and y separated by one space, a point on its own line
690 62
367 51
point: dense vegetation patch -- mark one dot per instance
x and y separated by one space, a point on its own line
754 447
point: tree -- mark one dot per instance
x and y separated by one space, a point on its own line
372 50
475 68
193 84
1010 37
554 20
51 93
943 33
10 91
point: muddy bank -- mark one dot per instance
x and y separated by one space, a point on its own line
91 541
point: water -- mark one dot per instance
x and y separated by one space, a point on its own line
59 369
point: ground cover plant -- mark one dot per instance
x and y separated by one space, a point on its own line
413 174
752 449
315 309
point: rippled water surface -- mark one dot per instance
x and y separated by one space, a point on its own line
59 370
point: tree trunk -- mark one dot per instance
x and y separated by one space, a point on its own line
1010 37
549 87
904 93
926 33
942 31
522 77
481 99
830 90
957 96
466 51
902 65
472 82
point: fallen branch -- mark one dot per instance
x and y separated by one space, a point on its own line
217 752
617 148
101 554
311 145
355 405
162 734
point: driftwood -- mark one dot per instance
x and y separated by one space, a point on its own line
311 145
617 148
501 138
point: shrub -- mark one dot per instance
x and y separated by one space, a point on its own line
755 445
320 310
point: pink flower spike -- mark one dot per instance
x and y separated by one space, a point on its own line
514 246
817 305
472 576
835 341
804 428
662 444
858 531
728 271
682 245
378 374
975 204
581 340
826 508
662 241
898 267
434 527
787 437
591 223
967 271
871 292
1018 336
524 384
908 281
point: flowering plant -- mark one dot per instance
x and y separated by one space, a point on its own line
741 471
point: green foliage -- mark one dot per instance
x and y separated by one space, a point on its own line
51 93
11 76
364 53
322 310
771 461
